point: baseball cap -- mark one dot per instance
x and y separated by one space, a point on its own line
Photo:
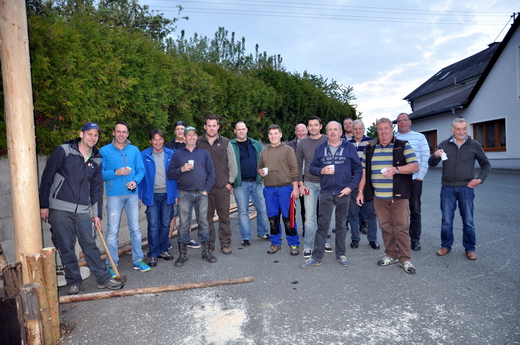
90 125
179 123
189 128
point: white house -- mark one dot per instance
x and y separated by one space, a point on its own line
485 90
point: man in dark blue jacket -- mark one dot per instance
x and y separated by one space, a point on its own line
71 199
192 167
337 163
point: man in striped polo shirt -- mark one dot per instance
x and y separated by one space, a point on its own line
388 165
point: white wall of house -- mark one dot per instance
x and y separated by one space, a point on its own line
498 98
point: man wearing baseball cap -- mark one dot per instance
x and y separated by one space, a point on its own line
71 199
192 167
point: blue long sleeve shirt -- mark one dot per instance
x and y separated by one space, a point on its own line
202 177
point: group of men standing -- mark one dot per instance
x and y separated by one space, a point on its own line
343 169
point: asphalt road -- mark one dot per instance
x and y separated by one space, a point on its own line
450 300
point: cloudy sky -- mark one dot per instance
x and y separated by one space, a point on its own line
384 49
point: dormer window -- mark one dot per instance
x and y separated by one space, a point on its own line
445 75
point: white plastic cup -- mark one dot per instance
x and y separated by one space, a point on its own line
383 170
444 156
191 161
266 170
331 166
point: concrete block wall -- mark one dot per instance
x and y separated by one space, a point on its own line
6 216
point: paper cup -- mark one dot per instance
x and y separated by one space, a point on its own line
444 156
266 170
331 166
191 161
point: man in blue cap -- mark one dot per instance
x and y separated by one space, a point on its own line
71 199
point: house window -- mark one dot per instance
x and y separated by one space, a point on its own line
431 137
491 135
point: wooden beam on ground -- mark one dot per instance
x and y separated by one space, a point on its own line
20 132
143 291
12 279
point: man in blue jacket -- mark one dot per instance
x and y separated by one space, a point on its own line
192 167
123 170
159 194
248 184
71 199
337 163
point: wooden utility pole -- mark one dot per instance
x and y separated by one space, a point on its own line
19 120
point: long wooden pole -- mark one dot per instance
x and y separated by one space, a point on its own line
143 291
19 120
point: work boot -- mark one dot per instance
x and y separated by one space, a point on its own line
206 255
183 251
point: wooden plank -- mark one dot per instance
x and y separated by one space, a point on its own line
143 291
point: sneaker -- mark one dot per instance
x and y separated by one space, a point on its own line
328 248
273 249
73 290
111 284
142 266
387 261
264 237
152 262
246 243
310 262
307 253
193 244
166 256
112 273
408 267
295 250
343 261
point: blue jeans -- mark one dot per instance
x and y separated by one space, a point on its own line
278 200
189 200
115 205
464 196
353 218
327 203
255 191
158 215
311 219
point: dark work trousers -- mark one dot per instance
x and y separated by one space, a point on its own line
415 211
65 228
218 199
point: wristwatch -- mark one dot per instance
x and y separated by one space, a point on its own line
396 170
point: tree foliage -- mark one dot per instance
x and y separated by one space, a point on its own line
108 61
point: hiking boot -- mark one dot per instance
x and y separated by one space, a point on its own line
225 249
182 255
408 267
295 250
273 249
387 261
142 266
111 284
206 255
